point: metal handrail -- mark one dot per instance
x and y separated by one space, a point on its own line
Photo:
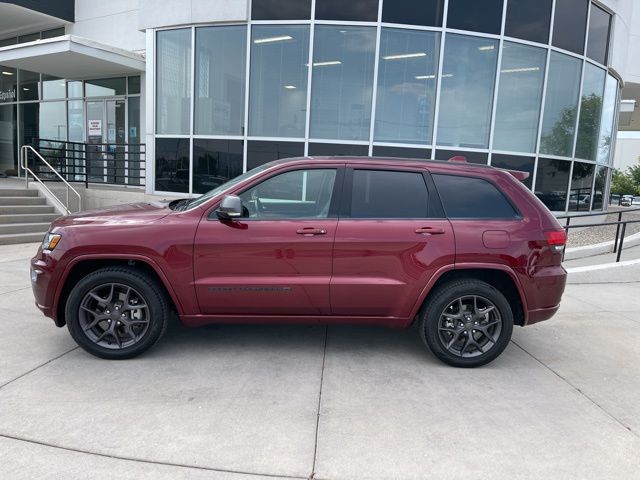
24 160
617 243
627 210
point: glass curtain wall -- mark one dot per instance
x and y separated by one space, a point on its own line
529 91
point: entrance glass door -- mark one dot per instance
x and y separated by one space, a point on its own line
106 137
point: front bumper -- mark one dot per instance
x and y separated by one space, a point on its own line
44 281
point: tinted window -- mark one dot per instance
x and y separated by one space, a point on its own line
590 112
401 152
475 15
29 85
387 194
215 162
281 9
105 87
425 12
133 85
259 152
581 182
528 20
357 10
295 194
328 149
172 164
552 180
598 43
468 197
570 24
515 162
173 81
472 157
598 187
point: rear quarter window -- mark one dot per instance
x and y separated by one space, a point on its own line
472 197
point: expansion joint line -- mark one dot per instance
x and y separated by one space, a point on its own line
315 447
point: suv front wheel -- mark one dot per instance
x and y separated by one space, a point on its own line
117 312
466 323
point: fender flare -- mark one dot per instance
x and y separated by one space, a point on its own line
471 266
113 256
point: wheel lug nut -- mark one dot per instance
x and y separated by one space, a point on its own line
122 315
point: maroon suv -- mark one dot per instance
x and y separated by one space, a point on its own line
464 251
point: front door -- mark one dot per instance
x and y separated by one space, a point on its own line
391 238
106 136
276 259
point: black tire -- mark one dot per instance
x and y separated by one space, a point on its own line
148 315
460 334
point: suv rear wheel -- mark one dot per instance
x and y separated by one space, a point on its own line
466 323
117 312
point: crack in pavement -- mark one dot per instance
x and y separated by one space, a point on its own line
315 447
141 460
38 367
565 380
14 291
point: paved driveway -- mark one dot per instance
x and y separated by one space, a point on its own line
236 402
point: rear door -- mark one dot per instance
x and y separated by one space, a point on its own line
391 238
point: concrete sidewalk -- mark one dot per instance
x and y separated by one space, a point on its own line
244 402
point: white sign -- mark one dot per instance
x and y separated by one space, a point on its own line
95 128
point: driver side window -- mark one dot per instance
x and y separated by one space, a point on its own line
294 194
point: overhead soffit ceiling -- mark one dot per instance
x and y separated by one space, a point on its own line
25 16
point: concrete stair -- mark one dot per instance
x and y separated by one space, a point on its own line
24 216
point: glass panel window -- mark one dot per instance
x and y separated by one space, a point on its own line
552 180
590 112
278 84
515 162
8 84
407 70
31 37
469 197
173 81
401 152
172 164
135 164
471 157
599 27
56 32
410 12
599 187
570 25
74 89
608 115
76 120
468 76
581 182
29 118
342 82
475 15
353 10
294 194
105 87
337 149
53 120
388 194
280 9
53 87
133 85
519 98
8 150
259 152
5 42
561 104
220 80
29 85
215 162
528 20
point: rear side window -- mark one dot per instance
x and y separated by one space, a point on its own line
389 194
470 197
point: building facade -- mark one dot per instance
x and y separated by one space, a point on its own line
215 88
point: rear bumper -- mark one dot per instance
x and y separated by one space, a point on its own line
544 292
541 314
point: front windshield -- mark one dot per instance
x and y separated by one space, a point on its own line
227 186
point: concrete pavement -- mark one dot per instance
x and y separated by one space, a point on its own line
240 402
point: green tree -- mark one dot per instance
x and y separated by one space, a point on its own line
622 183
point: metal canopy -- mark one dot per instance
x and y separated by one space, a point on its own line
71 57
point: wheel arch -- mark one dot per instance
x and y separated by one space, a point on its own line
82 266
500 277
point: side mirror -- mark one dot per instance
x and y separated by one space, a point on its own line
230 208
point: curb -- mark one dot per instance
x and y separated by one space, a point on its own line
621 272
599 248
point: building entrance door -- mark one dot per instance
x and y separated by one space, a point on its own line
106 138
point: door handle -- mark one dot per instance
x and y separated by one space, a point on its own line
311 231
430 231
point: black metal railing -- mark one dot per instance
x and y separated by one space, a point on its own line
106 163
621 226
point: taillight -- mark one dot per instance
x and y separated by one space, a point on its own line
556 239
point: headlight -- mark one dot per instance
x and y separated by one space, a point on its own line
50 241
